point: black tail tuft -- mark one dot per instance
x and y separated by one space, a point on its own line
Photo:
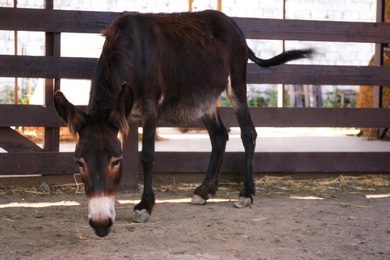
281 58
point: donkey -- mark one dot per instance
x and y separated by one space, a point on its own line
162 67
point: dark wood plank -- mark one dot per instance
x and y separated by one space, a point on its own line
54 20
32 115
319 75
306 117
196 162
12 141
278 162
29 115
306 30
51 135
254 28
320 117
37 163
82 68
46 67
362 162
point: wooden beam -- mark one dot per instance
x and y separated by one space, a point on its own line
278 162
306 30
82 68
12 141
51 135
318 75
33 115
378 61
378 54
317 117
196 162
253 28
29 115
305 117
46 67
54 20
37 163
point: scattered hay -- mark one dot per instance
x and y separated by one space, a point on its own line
44 188
325 187
266 185
351 205
282 185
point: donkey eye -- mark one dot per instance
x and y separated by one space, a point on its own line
115 162
80 164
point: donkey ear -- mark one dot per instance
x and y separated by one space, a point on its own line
122 109
72 115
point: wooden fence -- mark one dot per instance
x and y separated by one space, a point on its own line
25 157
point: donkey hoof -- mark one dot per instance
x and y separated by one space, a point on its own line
243 202
198 200
141 216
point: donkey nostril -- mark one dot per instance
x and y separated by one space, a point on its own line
102 227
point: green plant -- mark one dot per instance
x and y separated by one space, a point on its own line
272 95
7 92
332 98
258 98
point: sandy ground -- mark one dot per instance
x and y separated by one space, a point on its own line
279 225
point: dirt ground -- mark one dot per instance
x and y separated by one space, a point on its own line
282 223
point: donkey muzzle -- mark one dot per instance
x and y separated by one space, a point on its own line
101 214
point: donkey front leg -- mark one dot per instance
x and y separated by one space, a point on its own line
218 137
143 210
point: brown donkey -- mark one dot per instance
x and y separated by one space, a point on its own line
155 67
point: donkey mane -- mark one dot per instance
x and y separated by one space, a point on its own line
114 68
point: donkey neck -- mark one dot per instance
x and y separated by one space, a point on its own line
106 85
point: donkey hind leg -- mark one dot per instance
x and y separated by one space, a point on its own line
248 136
143 210
218 137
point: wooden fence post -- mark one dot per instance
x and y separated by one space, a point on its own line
378 61
51 137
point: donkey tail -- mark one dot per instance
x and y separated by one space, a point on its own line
281 58
278 59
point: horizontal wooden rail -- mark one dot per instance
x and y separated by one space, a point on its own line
37 163
196 162
306 30
46 67
314 117
278 162
29 115
254 28
82 68
44 20
319 75
34 115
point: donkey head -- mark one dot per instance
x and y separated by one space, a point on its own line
98 154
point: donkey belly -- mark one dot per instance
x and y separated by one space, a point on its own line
192 89
187 110
181 109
